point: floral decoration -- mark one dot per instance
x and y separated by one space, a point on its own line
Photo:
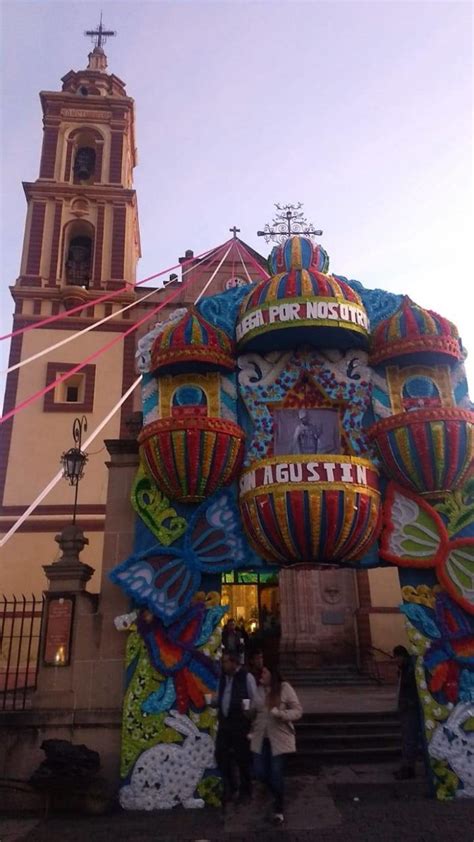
415 535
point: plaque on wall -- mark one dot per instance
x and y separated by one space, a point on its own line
57 639
333 618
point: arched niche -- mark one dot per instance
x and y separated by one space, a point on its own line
189 400
418 391
189 394
419 386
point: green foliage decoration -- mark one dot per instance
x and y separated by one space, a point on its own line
448 782
210 790
458 507
155 510
141 731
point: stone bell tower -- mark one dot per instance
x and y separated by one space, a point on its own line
81 240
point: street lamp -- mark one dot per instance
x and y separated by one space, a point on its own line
74 459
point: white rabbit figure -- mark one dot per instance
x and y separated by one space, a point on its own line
167 774
451 743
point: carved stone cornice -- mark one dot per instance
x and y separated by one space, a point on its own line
42 189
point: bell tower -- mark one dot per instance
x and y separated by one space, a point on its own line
81 240
82 226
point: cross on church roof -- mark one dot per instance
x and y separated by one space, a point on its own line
234 231
99 35
290 220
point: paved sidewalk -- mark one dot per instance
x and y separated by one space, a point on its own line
343 805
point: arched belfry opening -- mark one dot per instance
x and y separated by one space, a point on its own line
84 156
78 254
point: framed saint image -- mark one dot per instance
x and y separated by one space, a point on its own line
306 431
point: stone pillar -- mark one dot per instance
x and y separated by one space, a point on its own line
67 577
364 634
94 678
317 617
109 669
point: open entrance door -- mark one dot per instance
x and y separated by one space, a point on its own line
254 601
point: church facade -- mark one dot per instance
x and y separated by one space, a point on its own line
303 456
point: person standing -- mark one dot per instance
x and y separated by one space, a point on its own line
272 737
231 638
408 711
237 690
244 638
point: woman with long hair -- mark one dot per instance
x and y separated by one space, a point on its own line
275 707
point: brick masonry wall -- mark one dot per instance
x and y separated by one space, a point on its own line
116 152
118 243
48 155
99 245
9 403
53 267
36 238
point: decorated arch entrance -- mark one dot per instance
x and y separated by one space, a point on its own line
296 422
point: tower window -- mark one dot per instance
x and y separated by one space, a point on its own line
71 390
74 394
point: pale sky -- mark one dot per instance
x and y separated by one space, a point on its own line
361 110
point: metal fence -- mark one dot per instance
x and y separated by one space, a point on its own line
20 632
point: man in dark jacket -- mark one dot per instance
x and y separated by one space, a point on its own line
237 689
408 711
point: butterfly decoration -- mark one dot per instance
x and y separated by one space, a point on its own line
164 579
449 658
414 535
174 652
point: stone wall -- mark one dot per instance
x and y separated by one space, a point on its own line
21 736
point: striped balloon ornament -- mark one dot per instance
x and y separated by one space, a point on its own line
191 458
427 450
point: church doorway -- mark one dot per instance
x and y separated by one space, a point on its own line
254 602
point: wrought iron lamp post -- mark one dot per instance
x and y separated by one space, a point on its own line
74 459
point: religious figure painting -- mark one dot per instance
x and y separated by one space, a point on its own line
306 431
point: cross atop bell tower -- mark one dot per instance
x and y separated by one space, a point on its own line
97 58
100 35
